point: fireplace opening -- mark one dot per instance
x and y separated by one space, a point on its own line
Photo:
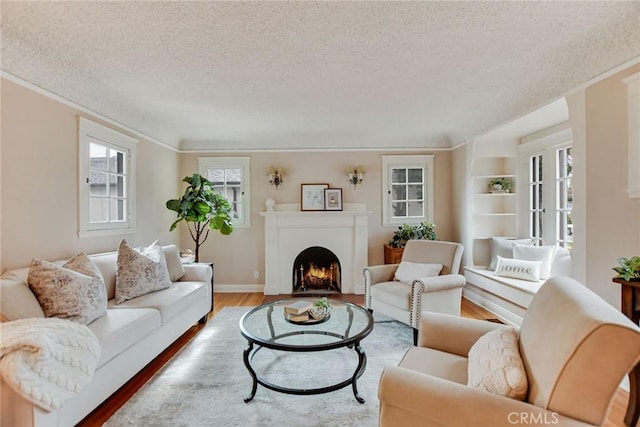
316 271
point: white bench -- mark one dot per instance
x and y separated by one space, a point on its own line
505 297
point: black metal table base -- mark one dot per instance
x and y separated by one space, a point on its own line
362 364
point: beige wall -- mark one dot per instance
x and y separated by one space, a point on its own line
613 219
39 183
238 255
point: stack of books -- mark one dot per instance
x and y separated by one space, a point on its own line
298 311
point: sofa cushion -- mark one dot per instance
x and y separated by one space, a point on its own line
543 254
407 271
118 330
495 364
518 269
140 272
504 247
170 301
16 300
74 291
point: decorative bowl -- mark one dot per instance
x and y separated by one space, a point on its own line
319 313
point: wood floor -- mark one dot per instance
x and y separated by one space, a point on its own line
104 411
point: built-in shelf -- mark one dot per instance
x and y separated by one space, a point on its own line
494 214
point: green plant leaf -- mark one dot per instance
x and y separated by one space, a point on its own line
173 205
175 224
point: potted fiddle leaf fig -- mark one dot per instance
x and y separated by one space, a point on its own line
422 231
629 269
202 209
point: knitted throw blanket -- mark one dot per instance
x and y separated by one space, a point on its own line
47 360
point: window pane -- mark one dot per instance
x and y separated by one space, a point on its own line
398 176
117 209
98 156
116 161
98 209
216 176
415 192
399 209
233 176
399 192
117 187
416 209
98 183
415 175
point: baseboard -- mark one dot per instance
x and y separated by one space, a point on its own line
502 313
223 288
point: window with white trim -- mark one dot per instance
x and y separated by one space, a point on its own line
107 180
231 177
407 189
536 209
549 165
564 197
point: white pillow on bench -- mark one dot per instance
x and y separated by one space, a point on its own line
518 269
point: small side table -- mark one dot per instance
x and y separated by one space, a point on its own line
630 306
392 255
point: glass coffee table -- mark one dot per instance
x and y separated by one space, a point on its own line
266 327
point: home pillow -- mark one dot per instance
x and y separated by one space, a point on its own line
407 271
544 254
174 264
504 247
74 291
495 365
140 272
518 269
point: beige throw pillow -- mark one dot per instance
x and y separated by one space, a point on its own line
407 271
74 291
140 272
495 365
504 247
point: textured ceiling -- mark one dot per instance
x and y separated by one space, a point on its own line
277 75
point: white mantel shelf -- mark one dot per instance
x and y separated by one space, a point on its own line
288 231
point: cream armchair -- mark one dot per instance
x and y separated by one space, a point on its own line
404 302
575 348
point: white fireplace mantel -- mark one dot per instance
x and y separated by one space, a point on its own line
288 231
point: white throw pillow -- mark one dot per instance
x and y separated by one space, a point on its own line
504 247
407 271
74 291
495 364
544 254
174 264
140 273
518 269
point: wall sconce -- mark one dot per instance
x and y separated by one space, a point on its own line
276 177
355 175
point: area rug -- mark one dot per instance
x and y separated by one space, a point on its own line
206 382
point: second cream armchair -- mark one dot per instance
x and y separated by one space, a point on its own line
403 301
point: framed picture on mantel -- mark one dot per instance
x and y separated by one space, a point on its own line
333 199
312 197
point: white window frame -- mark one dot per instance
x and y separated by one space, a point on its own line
546 143
406 161
243 163
92 132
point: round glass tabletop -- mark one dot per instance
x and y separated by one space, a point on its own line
267 326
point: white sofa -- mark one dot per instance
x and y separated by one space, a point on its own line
505 297
131 334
